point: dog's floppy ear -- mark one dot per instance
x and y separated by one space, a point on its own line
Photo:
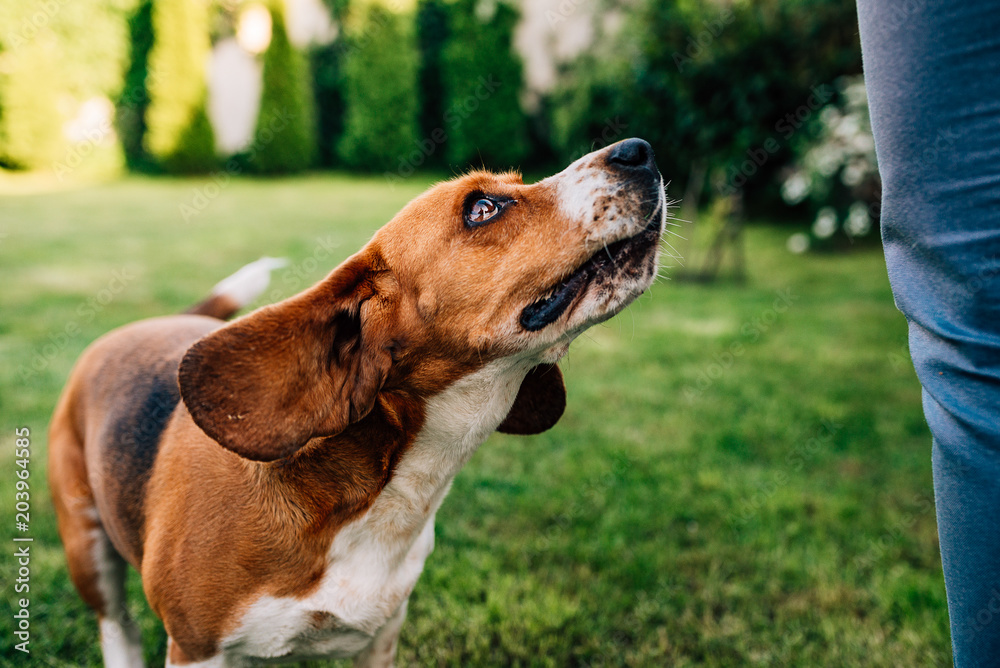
309 366
539 403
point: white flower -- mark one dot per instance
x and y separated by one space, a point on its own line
855 93
829 116
798 243
825 224
853 174
844 150
858 223
796 188
863 142
253 31
827 158
486 10
93 122
848 127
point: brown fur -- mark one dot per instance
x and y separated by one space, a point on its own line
221 307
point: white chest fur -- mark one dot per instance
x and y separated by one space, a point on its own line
374 562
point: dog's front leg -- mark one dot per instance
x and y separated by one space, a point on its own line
382 651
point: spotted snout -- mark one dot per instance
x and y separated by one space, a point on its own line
611 193
615 198
640 179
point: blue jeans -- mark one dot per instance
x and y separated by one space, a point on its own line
932 68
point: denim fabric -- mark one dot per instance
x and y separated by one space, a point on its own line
932 68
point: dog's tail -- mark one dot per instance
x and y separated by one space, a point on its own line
234 292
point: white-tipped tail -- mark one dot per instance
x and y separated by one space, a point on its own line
249 282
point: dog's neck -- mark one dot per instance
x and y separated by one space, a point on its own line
407 448
459 419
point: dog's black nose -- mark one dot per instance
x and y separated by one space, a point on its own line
632 154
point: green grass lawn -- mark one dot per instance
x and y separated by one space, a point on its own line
742 476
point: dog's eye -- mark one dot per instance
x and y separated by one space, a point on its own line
481 211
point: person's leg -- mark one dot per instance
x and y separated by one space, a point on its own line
932 68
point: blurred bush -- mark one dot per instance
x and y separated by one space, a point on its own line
380 88
836 176
433 33
729 93
326 62
285 138
178 132
730 84
482 78
134 99
595 90
30 124
61 63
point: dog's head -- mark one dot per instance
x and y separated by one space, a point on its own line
476 269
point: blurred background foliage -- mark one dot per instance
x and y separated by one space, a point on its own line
380 88
730 93
287 106
735 527
49 65
482 83
178 133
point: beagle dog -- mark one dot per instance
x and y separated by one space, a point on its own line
274 479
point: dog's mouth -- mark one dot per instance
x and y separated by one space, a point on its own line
604 263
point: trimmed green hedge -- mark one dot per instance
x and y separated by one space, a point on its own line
178 132
432 37
134 99
380 71
285 138
713 83
55 57
30 124
483 78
